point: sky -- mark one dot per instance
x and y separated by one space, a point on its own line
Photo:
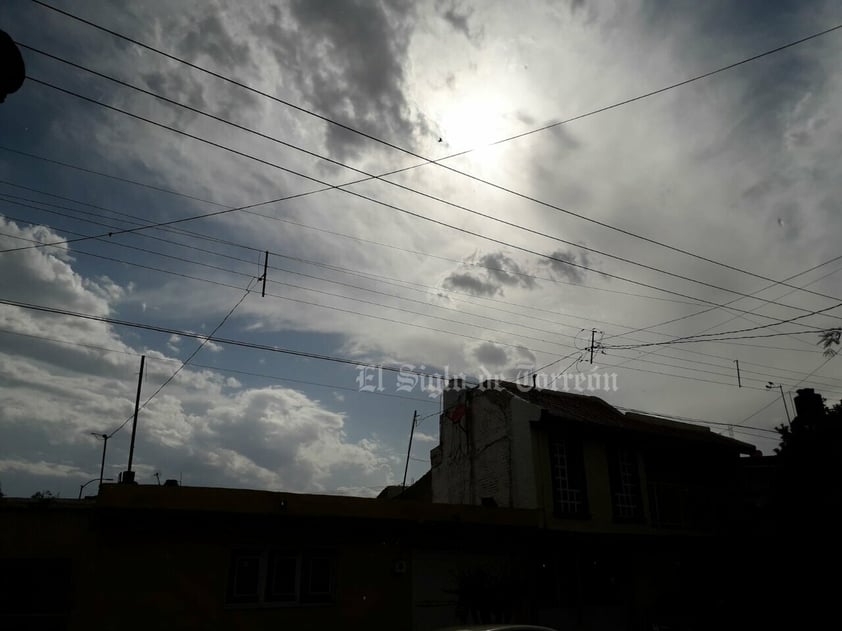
670 216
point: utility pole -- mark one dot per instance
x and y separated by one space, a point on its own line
409 449
593 333
128 475
263 278
104 447
771 386
739 382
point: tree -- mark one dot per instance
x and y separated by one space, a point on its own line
44 495
807 497
828 339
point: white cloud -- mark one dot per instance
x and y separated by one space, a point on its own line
211 427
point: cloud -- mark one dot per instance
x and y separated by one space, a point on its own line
496 270
465 281
208 427
421 437
210 38
568 269
488 354
348 62
458 20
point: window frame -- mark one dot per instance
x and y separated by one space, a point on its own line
625 482
575 478
268 558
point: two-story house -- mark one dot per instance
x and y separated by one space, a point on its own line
586 464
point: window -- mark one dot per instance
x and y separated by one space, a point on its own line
570 495
319 579
280 577
245 578
625 485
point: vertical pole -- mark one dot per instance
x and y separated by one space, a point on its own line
409 449
136 406
102 465
265 267
739 383
593 333
783 398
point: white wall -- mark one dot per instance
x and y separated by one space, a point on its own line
498 435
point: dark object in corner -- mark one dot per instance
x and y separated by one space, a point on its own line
12 69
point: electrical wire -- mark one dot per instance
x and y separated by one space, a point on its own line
771 403
381 203
380 305
202 343
216 369
339 309
468 175
368 175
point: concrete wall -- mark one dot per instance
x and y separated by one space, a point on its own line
476 454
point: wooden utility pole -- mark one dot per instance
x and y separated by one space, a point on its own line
593 334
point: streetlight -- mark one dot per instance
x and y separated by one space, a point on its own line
82 486
772 386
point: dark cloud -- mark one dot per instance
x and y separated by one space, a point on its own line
210 37
505 271
489 354
459 21
496 271
525 356
564 264
471 284
347 59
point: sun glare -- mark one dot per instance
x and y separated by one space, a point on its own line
473 123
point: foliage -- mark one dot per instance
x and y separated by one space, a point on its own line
44 495
828 339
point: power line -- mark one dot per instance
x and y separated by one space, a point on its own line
768 405
108 175
425 303
356 238
698 336
333 308
218 340
700 370
367 302
189 357
381 203
372 176
686 419
346 270
218 369
264 347
347 297
468 175
691 315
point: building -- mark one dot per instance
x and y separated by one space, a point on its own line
540 507
584 464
